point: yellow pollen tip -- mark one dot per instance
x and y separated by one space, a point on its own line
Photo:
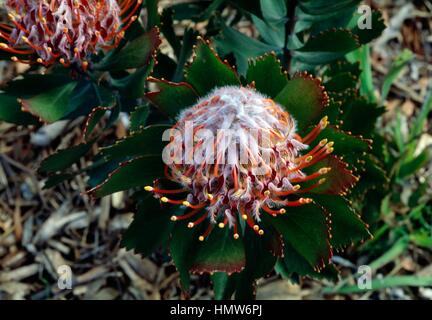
164 199
186 203
11 16
201 238
210 196
4 45
24 38
309 159
39 60
244 217
267 193
305 200
323 170
14 59
330 144
65 30
173 218
190 225
148 188
296 187
236 236
221 225
76 50
62 61
256 227
134 18
261 232
323 142
330 150
282 211
321 181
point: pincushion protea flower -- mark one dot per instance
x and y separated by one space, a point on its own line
266 181
67 31
284 201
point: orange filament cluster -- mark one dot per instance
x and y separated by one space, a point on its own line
64 31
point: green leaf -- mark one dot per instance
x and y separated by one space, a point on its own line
261 252
172 97
88 95
367 35
189 39
345 144
133 85
150 228
167 28
153 18
306 230
135 54
252 6
10 111
271 33
347 227
267 74
274 11
261 255
243 47
391 254
360 117
412 166
146 141
224 285
321 7
421 239
304 98
331 41
130 174
363 56
396 68
208 71
271 26
53 104
33 84
293 263
338 181
372 177
341 82
327 46
343 66
138 118
56 179
189 10
183 245
220 252
421 119
93 119
64 158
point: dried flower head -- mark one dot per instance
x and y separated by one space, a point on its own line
257 168
67 31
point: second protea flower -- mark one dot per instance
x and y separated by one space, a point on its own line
65 31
